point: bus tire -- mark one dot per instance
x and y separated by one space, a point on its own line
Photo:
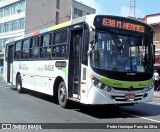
19 84
62 95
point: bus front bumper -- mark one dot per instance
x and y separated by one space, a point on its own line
98 96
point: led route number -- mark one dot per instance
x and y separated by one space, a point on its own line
123 25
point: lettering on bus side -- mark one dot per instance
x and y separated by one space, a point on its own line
142 85
23 66
117 84
48 67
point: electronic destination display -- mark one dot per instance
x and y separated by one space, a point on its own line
119 23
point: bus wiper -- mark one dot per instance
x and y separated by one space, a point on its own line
117 41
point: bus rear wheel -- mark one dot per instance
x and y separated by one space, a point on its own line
19 84
62 95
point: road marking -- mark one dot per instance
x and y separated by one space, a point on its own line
140 117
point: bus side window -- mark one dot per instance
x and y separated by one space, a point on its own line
60 44
25 49
45 47
34 48
17 53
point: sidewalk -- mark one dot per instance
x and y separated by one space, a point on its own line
157 94
1 75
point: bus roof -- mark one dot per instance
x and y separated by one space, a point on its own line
88 18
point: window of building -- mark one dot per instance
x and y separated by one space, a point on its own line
17 55
12 25
75 11
7 27
78 12
45 46
1 28
21 23
1 43
6 11
12 9
60 45
58 4
22 6
34 48
1 13
57 17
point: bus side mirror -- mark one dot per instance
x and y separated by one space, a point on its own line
91 37
91 41
154 53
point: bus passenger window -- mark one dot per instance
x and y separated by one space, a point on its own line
60 45
17 55
45 45
34 48
25 49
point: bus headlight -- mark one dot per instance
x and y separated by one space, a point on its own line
97 83
102 86
109 89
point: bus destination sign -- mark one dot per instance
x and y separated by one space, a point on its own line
120 24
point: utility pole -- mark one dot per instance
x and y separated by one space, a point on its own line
132 8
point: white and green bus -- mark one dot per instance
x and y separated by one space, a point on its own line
95 59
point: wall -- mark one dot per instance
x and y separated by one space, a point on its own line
84 8
42 14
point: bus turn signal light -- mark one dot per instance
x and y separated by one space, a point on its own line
83 91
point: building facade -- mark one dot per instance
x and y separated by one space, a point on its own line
12 20
79 9
20 17
43 14
154 21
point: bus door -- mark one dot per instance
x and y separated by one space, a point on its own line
75 63
9 53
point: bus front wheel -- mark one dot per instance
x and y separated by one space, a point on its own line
62 95
19 84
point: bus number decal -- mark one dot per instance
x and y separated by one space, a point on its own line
23 66
48 67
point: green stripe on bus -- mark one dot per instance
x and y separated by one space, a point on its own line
125 84
65 72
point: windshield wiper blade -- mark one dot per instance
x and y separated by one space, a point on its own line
117 41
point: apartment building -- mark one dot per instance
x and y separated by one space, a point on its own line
20 17
12 20
41 14
154 21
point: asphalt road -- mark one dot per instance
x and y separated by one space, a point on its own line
32 107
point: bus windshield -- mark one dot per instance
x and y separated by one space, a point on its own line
122 53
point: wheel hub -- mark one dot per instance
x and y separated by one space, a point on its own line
62 94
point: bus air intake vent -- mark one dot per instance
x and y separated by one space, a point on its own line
84 73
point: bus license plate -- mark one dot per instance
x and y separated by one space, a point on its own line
130 96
